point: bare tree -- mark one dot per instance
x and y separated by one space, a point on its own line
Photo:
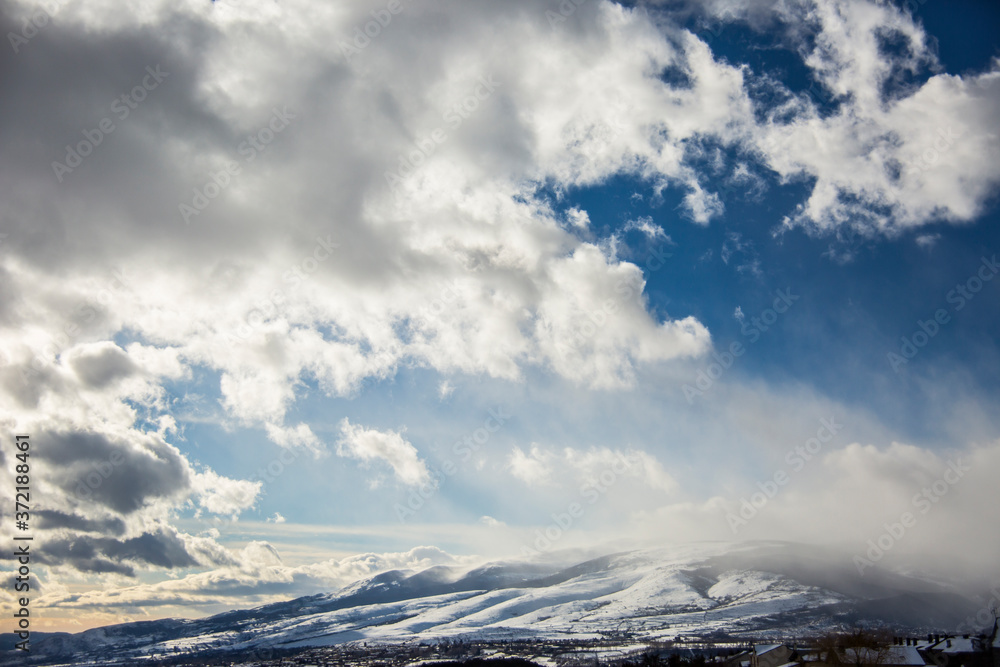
827 648
857 648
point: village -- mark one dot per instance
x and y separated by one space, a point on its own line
856 647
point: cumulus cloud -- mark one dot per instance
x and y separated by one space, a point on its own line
109 295
123 476
594 327
891 156
50 519
99 364
578 217
162 548
530 468
266 336
649 228
368 444
224 496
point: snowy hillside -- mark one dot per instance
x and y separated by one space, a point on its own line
707 590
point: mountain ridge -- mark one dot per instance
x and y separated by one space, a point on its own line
706 590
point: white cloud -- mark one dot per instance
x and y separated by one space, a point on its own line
927 241
578 217
847 495
389 446
646 225
531 468
224 496
702 206
593 327
305 271
640 465
300 435
543 466
885 162
445 389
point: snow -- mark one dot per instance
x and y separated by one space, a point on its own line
641 596
958 645
733 585
905 655
900 655
651 593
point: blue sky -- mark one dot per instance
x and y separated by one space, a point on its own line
631 189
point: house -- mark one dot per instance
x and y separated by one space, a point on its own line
964 651
770 655
741 659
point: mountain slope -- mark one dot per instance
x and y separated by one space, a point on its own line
706 590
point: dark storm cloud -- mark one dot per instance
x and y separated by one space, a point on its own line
51 519
90 554
82 554
99 368
27 383
124 197
161 548
116 474
64 83
8 294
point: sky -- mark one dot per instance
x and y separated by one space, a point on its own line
293 293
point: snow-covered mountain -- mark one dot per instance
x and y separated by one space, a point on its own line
705 590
